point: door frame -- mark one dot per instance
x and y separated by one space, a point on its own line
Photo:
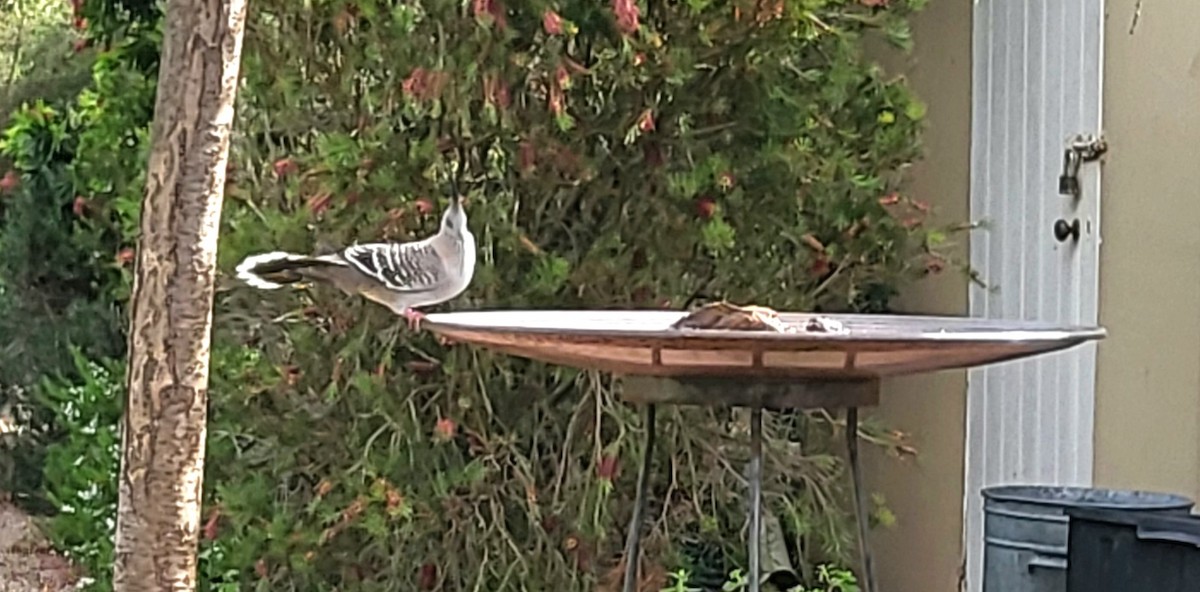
998 27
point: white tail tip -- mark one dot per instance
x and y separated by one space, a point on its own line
246 274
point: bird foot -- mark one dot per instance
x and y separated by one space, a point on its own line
414 318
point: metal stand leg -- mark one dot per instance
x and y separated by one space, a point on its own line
860 501
755 497
634 537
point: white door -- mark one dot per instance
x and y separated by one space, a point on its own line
1036 84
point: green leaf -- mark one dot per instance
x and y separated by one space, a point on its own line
915 110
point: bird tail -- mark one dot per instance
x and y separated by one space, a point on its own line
268 271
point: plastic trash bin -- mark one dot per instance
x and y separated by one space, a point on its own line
1119 551
1026 530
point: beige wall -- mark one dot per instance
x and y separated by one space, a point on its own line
923 551
1148 393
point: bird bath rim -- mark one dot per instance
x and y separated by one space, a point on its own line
860 327
641 342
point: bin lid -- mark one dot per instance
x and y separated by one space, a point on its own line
1087 497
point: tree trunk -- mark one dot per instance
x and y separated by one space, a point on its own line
162 458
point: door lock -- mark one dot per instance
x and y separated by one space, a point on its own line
1082 149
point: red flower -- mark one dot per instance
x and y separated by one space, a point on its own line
292 375
890 199
320 202
445 429
496 92
639 58
9 182
627 13
395 501
125 256
210 527
413 82
646 121
80 23
706 207
562 77
607 468
427 576
557 102
820 266
934 264
284 167
80 205
552 23
79 45
424 206
492 8
424 85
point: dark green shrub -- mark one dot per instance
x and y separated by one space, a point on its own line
66 231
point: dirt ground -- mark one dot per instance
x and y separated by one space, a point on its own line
27 564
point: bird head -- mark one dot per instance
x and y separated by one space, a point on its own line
454 221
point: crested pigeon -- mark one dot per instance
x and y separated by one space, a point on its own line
400 276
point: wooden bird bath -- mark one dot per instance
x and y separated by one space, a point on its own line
756 369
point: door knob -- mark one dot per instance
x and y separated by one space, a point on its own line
1064 230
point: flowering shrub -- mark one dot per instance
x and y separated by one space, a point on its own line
621 154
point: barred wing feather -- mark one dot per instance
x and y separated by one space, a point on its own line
402 267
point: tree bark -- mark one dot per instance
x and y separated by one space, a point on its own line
162 458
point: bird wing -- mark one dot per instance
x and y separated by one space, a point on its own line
400 267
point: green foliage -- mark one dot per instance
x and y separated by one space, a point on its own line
65 231
828 579
42 55
79 465
48 299
616 155
833 579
